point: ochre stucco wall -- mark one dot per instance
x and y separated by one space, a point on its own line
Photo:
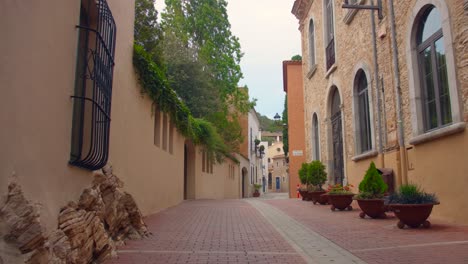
292 72
219 184
37 75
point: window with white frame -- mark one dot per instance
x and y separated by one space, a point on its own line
435 93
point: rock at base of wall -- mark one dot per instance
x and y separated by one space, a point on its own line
87 230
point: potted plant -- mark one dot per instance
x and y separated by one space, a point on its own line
371 193
412 206
257 190
317 177
340 197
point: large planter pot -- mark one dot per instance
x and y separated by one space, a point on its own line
315 196
373 208
413 215
303 194
324 199
256 194
340 201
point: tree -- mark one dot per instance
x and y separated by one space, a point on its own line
147 31
204 26
296 57
187 77
203 60
285 128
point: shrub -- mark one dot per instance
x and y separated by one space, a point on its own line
412 194
257 186
372 186
303 172
318 176
313 173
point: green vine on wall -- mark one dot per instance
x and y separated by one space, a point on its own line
155 85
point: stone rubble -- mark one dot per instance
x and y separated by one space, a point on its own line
88 230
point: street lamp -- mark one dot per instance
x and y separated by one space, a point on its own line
277 118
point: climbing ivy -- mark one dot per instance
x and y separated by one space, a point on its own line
155 85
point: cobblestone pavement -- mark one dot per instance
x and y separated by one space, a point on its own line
379 240
287 231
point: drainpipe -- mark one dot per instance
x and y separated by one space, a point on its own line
401 137
377 86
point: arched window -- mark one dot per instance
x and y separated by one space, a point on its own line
311 44
329 34
315 138
363 124
434 82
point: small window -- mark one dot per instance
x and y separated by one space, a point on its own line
329 34
157 127
311 45
165 131
171 138
363 125
93 86
315 138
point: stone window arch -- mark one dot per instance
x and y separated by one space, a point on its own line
435 104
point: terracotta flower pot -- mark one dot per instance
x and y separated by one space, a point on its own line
413 215
256 194
374 208
315 196
341 201
323 199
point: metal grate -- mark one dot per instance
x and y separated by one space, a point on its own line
93 92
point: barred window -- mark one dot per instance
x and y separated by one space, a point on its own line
93 86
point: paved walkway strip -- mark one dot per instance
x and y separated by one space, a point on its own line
313 247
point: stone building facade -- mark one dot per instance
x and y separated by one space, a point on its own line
400 112
278 168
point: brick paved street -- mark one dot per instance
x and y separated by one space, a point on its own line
286 231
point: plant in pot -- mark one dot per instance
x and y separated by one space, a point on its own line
412 206
371 193
317 177
340 197
304 181
257 190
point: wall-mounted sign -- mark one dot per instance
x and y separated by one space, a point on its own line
297 153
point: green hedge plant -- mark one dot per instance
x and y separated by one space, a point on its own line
313 174
373 185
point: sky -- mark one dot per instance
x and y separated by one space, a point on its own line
268 34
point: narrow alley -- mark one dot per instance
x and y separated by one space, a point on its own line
277 230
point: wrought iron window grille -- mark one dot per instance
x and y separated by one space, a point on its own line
330 53
93 89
